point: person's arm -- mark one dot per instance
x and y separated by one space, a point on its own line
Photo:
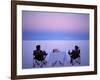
44 53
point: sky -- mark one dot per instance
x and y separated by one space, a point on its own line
55 25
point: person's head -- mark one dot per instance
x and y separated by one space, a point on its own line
38 47
76 47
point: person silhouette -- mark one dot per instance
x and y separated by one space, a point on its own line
75 54
39 56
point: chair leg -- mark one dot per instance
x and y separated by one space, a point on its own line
34 63
71 62
79 60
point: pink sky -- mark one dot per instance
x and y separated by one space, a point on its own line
55 22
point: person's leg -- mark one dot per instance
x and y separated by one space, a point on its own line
38 63
71 60
35 63
44 62
79 60
41 64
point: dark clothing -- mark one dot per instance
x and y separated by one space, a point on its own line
38 55
75 54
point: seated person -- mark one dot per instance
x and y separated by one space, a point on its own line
39 56
75 54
